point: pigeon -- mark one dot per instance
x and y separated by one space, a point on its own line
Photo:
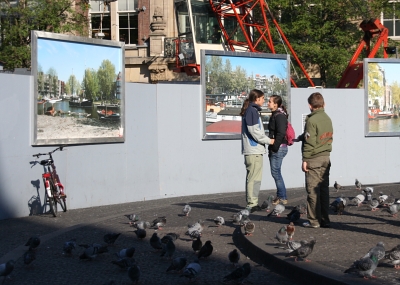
186 210
337 186
244 221
245 212
358 184
177 264
237 217
374 204
159 222
290 230
99 248
124 263
206 250
142 225
234 257
219 221
393 256
140 233
90 253
197 244
303 251
168 249
302 209
294 215
382 198
378 251
169 236
365 266
293 245
69 246
6 269
198 226
133 218
192 270
155 242
358 199
368 193
29 257
126 253
134 273
393 209
390 200
267 204
281 235
249 228
239 274
279 208
33 242
195 234
110 238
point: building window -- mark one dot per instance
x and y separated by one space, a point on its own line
127 5
128 28
100 22
391 20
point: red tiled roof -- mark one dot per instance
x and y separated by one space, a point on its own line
225 126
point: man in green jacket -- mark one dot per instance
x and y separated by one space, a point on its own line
317 146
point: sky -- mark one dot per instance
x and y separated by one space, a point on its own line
392 71
261 66
69 58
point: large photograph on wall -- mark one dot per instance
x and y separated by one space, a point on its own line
227 78
79 90
382 97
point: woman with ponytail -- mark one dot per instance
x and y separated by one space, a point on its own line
253 146
277 126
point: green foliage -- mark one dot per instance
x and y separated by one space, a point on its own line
90 84
72 86
18 20
396 93
106 78
375 81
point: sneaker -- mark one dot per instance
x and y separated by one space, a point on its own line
283 201
308 225
275 201
255 209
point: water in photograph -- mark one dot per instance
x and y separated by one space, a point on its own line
385 125
66 109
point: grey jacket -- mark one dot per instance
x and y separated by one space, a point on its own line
253 134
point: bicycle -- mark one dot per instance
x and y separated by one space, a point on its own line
54 192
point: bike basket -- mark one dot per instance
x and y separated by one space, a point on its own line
46 175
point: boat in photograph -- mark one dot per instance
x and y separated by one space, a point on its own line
82 103
377 114
108 115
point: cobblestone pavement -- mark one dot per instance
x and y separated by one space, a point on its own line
90 225
351 235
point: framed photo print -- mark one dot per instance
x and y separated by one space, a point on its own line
79 90
227 78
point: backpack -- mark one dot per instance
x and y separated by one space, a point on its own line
290 134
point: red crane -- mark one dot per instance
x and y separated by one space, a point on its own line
255 31
355 70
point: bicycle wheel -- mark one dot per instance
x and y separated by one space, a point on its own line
61 201
52 200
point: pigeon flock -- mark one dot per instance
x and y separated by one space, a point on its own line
150 237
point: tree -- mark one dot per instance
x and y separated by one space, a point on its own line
375 83
324 34
53 82
90 84
72 87
107 80
18 20
396 93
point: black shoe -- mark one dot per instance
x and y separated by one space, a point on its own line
255 209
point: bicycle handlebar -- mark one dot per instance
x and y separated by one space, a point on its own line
60 148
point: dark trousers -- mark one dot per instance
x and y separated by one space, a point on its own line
317 186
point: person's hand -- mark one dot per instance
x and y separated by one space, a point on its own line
272 141
304 167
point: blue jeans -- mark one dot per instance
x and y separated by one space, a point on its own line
275 162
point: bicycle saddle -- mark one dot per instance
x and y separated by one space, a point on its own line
46 162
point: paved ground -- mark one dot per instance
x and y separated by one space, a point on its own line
351 236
